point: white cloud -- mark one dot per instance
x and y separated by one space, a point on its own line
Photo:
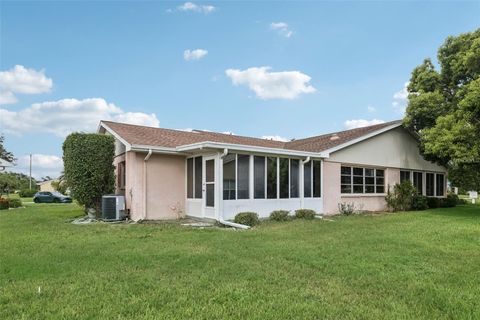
68 115
282 29
359 123
23 81
42 165
276 138
7 97
190 6
272 85
194 54
371 109
400 99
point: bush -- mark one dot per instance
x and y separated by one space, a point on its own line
27 193
89 171
346 208
279 215
450 201
433 202
402 196
15 203
247 218
4 203
305 214
420 202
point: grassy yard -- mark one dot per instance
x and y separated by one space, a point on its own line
406 265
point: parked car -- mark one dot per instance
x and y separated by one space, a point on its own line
49 197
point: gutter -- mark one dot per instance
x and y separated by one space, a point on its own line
149 154
220 218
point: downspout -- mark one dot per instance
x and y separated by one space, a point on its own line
220 218
302 196
149 154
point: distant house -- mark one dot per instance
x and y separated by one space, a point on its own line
167 173
46 185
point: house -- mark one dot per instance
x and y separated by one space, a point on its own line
46 185
166 174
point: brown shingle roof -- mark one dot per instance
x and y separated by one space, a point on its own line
168 138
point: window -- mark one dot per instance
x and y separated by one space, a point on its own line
271 178
380 180
357 180
307 179
294 177
440 181
418 181
198 177
346 180
369 180
121 175
259 177
229 177
317 179
243 179
430 181
361 180
283 178
404 176
194 178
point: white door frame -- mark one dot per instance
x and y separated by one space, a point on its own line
208 211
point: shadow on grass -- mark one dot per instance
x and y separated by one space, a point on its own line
465 211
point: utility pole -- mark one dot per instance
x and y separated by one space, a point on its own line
30 171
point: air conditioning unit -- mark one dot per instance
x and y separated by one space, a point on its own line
113 208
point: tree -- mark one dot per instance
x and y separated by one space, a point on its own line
88 167
11 181
4 154
444 109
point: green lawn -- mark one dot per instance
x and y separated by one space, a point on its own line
406 265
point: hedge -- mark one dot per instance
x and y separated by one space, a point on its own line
89 170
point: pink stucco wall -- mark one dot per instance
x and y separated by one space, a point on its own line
332 195
165 186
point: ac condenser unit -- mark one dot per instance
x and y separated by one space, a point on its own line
113 208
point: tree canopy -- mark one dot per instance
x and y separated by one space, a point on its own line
444 108
4 154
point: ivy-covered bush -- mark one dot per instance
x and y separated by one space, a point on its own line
89 170
14 203
247 218
4 203
279 215
27 193
305 214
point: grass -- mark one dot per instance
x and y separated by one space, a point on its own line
406 265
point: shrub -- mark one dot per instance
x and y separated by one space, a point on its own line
279 215
89 171
420 202
15 203
450 201
4 203
402 196
346 208
305 214
433 202
247 218
27 193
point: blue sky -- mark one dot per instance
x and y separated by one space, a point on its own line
329 63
